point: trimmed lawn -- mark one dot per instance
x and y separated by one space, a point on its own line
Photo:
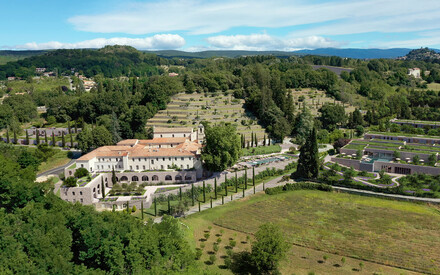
261 150
383 234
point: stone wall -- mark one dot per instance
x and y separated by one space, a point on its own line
348 162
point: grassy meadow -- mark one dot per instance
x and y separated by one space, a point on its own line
387 237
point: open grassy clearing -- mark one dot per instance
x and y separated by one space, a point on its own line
188 110
375 231
314 100
43 84
58 159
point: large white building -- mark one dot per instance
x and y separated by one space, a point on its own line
144 155
170 157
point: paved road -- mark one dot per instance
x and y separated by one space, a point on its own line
60 169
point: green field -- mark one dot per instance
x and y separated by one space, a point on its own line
261 150
384 234
58 159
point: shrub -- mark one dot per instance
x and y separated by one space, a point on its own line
215 247
81 172
232 243
212 259
70 182
198 253
298 186
133 209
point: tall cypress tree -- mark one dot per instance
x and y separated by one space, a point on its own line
236 182
256 140
226 185
37 136
15 137
252 139
245 178
142 210
253 176
215 188
7 135
63 141
192 193
204 192
103 187
53 139
27 137
113 176
308 162
45 137
264 140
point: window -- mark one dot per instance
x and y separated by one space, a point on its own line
163 159
184 135
81 200
173 135
145 159
152 161
143 167
161 167
169 159
187 166
137 167
161 136
74 200
82 165
73 193
80 192
131 167
157 159
175 158
181 166
183 158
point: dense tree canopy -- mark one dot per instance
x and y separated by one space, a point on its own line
222 147
41 234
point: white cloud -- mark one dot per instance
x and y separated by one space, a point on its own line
207 17
265 42
156 42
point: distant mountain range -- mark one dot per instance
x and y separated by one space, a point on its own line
349 53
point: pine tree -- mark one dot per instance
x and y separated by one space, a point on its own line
308 162
37 137
63 141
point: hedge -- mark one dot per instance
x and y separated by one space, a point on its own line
298 186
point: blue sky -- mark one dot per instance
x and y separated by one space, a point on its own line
194 25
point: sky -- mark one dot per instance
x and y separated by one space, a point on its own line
196 25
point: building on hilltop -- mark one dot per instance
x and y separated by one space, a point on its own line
414 72
180 132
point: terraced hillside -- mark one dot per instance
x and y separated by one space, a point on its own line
314 100
190 109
